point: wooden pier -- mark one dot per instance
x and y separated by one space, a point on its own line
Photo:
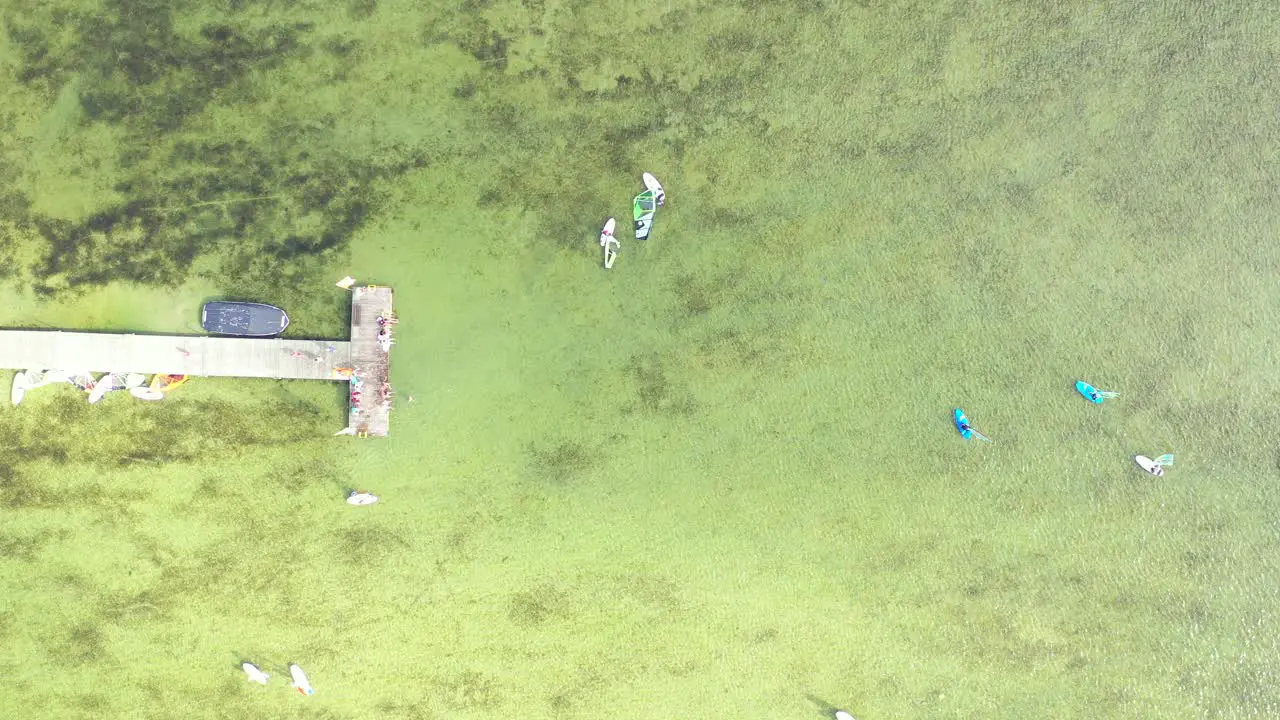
371 314
361 361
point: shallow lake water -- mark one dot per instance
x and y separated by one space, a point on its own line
719 480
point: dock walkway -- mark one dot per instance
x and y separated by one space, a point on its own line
361 360
371 409
279 358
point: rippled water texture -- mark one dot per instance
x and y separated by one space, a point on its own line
719 480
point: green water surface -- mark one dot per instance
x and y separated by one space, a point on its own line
717 481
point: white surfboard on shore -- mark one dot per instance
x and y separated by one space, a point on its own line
19 388
100 388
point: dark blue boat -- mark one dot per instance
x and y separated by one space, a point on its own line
243 318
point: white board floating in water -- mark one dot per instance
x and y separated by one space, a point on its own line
361 498
1149 465
300 680
254 673
652 185
609 243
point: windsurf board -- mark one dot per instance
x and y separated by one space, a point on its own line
1149 465
652 185
1089 392
19 389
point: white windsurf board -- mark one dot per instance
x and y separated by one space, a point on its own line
1149 465
652 185
19 389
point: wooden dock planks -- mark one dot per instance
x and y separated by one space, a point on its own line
177 354
212 356
369 362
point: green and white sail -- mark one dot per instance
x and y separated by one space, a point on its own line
642 209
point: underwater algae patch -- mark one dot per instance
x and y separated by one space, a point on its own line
83 644
567 101
266 193
560 461
468 690
51 436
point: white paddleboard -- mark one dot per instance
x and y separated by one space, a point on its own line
106 383
1149 465
254 673
300 680
19 390
361 498
609 243
652 185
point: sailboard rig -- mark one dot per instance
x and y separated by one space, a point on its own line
82 380
1093 394
1155 467
609 243
115 381
159 385
966 430
27 380
643 208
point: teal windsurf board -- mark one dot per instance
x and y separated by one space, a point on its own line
1093 394
966 430
1089 392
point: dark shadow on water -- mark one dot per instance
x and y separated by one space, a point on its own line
824 707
